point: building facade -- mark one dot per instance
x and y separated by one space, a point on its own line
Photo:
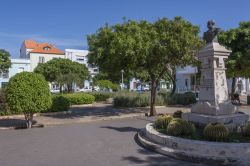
17 66
39 52
81 56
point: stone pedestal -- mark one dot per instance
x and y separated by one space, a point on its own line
214 104
232 121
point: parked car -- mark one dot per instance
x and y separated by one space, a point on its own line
96 88
85 89
54 91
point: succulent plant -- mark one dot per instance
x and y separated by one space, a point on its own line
175 127
189 128
162 122
246 130
215 132
177 114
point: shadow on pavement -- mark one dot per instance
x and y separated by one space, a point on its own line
104 111
14 123
122 129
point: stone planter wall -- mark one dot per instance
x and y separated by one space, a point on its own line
203 151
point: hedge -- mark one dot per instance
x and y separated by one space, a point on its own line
136 100
59 103
101 96
179 98
80 98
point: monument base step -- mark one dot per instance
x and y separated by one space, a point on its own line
232 121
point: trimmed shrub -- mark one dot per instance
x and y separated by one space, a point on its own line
177 114
80 98
215 132
246 130
99 96
162 122
59 103
135 100
28 93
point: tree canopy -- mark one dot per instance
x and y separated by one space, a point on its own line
28 93
63 72
238 40
5 62
144 49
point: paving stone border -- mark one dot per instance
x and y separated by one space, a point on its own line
215 153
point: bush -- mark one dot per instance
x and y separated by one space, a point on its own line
4 108
179 98
80 98
215 132
28 93
135 100
101 96
106 84
162 122
59 103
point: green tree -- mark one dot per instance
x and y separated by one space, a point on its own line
145 47
106 84
63 72
5 62
238 40
28 93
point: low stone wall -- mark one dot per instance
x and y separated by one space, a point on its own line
200 151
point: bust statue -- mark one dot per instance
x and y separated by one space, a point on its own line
211 34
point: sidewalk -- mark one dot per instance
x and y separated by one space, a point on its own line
89 113
84 113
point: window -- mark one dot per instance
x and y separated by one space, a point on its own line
41 59
20 69
4 74
95 70
47 48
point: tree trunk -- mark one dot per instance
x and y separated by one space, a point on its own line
29 119
174 83
233 85
153 97
60 86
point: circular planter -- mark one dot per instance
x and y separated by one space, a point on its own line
218 153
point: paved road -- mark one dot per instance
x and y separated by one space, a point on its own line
101 143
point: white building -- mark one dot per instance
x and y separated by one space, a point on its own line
17 66
39 52
185 79
81 56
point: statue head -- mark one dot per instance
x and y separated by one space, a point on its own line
211 24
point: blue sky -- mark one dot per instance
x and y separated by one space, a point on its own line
66 23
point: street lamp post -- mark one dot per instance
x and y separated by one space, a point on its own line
122 71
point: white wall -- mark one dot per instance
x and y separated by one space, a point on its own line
34 59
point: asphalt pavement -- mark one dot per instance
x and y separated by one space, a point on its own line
97 143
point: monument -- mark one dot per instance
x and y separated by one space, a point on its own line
214 104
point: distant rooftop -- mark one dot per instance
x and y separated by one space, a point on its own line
44 48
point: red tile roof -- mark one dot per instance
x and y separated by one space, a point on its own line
44 48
